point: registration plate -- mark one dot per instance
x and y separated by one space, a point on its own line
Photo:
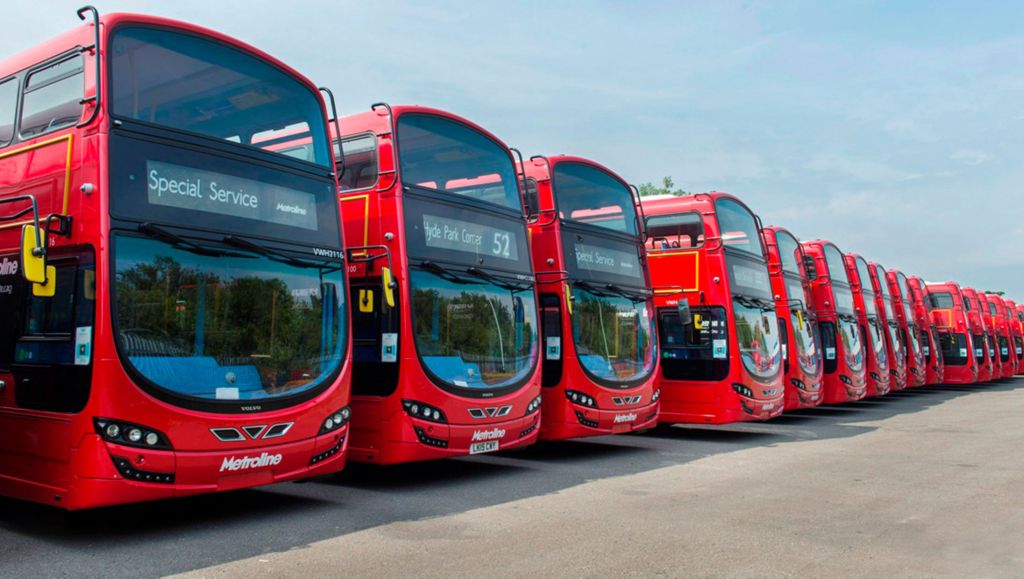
482 447
769 406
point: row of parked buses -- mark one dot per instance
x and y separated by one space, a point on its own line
212 282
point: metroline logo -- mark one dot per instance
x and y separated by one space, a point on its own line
625 418
488 434
248 462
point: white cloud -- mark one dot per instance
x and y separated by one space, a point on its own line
970 156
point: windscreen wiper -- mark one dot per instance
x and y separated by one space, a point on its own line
510 286
278 256
446 274
179 242
629 295
587 286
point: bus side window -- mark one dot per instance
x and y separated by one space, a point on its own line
8 109
53 97
360 162
551 327
52 363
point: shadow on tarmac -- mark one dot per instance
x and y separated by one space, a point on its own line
183 534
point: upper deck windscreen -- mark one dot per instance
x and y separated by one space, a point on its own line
440 154
789 252
589 195
675 231
738 227
189 83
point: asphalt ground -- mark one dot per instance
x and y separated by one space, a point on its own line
925 482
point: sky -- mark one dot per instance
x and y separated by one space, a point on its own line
894 129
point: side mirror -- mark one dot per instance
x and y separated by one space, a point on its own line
532 198
388 283
568 299
810 269
685 315
33 255
33 264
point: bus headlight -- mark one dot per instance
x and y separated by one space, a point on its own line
743 390
130 434
424 411
580 398
335 420
656 395
533 406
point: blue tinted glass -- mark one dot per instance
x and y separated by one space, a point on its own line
445 155
238 327
194 84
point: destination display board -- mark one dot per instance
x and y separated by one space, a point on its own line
195 189
476 238
607 260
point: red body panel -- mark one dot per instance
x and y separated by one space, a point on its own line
618 409
902 305
845 368
864 300
932 352
895 346
1019 313
383 432
803 388
57 458
1003 335
978 320
696 271
961 364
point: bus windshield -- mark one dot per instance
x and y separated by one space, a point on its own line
589 195
613 336
878 342
808 355
220 325
473 333
757 325
188 83
439 154
612 323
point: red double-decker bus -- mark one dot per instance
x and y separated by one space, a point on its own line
908 327
596 311
1016 335
844 350
174 286
1018 312
1000 324
962 350
988 313
444 308
927 332
798 329
721 359
865 303
895 346
977 316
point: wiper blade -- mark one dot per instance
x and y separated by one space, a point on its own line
587 286
179 242
278 256
629 295
511 286
446 274
752 302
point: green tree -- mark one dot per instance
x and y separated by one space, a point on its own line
668 187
